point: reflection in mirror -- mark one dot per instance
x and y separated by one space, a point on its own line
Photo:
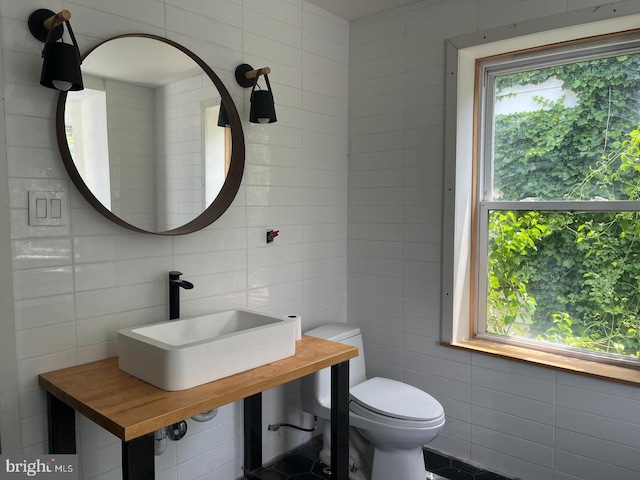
86 131
216 150
143 134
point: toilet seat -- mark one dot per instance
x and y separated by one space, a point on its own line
395 403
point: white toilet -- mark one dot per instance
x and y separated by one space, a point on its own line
389 420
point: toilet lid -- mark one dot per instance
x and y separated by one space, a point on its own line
396 399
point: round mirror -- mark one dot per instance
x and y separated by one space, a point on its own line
154 141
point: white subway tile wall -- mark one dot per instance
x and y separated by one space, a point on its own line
131 135
75 286
363 101
524 421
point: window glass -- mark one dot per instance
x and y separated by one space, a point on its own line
559 243
566 278
560 132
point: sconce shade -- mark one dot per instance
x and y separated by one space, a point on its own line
263 109
223 118
61 67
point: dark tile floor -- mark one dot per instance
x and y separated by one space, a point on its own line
303 464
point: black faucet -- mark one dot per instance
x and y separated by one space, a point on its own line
174 293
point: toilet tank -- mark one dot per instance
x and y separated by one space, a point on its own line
316 387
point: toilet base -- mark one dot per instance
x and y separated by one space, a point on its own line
360 452
404 464
367 462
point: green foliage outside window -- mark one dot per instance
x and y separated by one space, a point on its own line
569 277
70 142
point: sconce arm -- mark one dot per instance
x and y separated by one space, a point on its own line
245 74
58 19
257 72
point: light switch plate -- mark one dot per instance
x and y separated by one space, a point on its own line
47 208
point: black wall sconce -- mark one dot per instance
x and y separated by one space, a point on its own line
223 118
61 64
263 109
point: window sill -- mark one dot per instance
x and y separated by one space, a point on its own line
603 371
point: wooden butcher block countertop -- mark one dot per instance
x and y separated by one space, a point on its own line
130 408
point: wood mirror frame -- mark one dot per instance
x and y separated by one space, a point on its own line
234 176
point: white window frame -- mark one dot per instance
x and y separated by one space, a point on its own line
460 201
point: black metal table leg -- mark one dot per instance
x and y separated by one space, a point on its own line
138 460
61 423
340 421
253 432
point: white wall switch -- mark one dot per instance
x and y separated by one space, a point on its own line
56 208
47 208
41 208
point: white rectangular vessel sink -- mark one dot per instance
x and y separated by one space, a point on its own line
181 354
